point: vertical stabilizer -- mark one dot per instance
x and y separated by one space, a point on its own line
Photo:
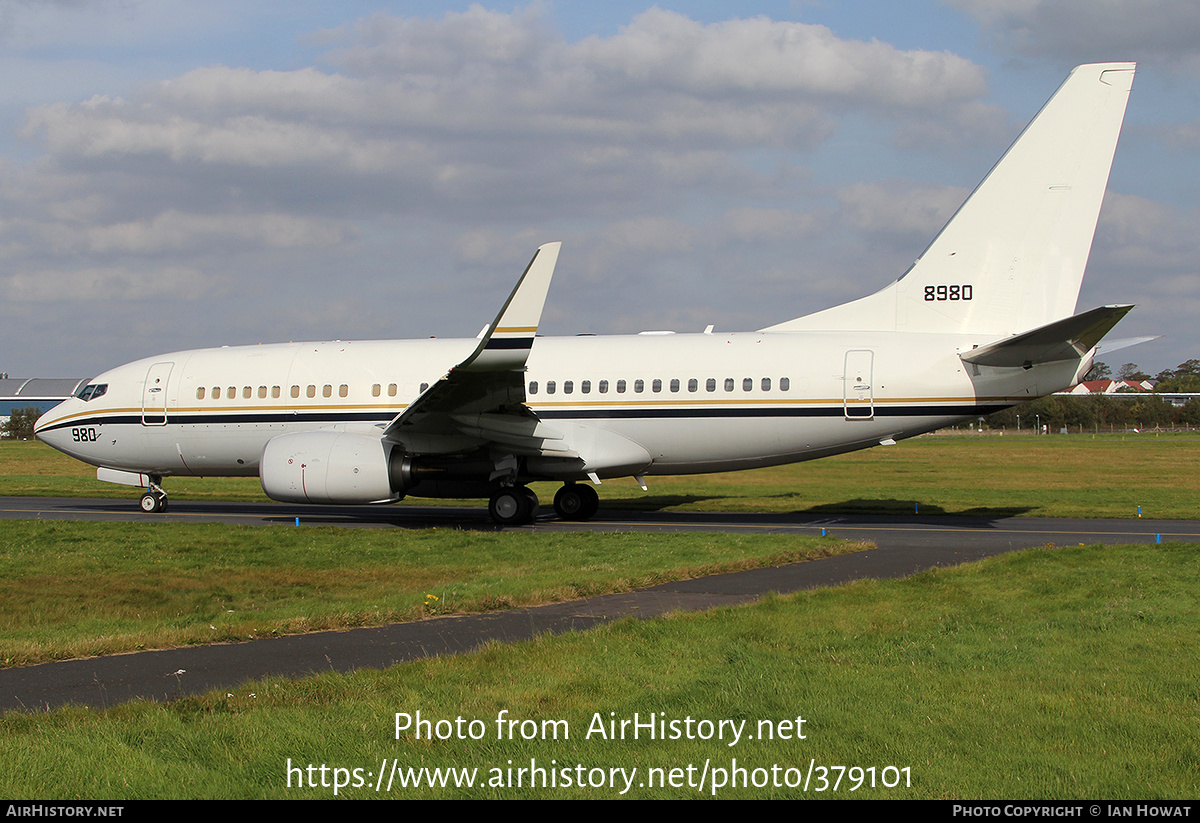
1012 257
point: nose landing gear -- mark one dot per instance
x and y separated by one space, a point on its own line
155 498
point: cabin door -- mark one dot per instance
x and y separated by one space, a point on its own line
154 395
858 396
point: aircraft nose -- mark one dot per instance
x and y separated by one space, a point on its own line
46 430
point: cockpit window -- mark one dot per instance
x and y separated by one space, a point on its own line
91 391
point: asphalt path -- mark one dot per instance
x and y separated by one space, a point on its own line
904 545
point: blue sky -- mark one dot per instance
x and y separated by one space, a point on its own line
179 174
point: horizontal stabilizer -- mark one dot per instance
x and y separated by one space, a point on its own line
1124 343
1067 339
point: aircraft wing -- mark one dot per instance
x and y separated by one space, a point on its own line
482 399
1068 339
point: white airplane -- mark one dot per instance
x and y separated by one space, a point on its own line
981 321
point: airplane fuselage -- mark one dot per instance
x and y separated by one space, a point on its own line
693 402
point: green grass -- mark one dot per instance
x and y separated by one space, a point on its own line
1063 673
70 589
1080 475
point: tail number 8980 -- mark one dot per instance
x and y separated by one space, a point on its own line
940 293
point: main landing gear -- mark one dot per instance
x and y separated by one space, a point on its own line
513 506
576 502
517 505
155 498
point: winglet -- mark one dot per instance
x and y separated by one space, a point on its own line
506 343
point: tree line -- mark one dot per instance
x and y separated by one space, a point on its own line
1134 410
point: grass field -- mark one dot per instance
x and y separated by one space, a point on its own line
71 589
1078 475
1052 673
1064 673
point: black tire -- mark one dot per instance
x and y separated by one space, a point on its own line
534 503
510 507
576 502
152 503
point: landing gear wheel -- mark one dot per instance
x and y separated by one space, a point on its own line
511 506
153 503
534 503
576 502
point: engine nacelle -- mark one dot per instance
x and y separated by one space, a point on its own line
326 467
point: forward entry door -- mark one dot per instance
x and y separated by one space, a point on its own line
154 395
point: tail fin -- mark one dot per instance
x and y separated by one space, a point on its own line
1012 257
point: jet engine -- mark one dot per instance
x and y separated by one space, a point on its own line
347 468
327 467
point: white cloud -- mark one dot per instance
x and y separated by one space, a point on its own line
900 208
1163 31
98 285
423 94
754 224
177 231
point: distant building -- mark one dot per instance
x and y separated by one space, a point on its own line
1112 386
1129 389
35 392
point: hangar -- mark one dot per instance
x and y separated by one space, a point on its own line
42 393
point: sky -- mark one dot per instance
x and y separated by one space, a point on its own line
179 174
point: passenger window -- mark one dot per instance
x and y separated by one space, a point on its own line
620 387
585 387
275 391
533 387
216 392
343 390
639 386
766 384
693 385
391 389
568 386
603 387
311 391
231 393
327 390
200 393
674 384
424 387
295 391
728 384
710 384
656 385
551 387
784 384
262 392
747 383
376 390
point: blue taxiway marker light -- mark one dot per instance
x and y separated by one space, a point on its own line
297 521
